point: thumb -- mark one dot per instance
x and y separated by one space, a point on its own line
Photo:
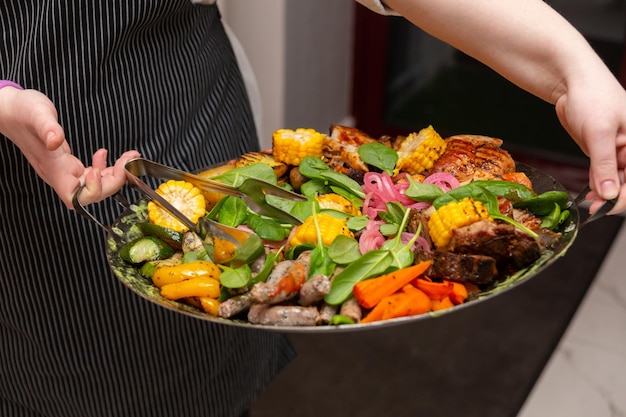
604 178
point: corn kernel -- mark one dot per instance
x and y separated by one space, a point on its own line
419 151
291 146
453 215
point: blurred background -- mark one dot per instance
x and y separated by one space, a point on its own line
319 62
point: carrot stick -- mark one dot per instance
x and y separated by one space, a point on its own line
459 293
442 304
407 304
401 304
376 314
371 291
435 290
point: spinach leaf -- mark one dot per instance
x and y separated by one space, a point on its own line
402 254
314 187
197 255
491 204
303 209
320 262
344 250
419 191
233 211
235 277
543 204
357 222
379 155
267 228
296 251
555 218
510 190
248 251
316 169
372 263
355 200
236 176
388 229
268 265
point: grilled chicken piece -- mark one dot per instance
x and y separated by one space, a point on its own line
341 150
283 315
474 157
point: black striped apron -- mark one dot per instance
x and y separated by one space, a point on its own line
159 77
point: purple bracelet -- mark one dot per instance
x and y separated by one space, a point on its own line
7 83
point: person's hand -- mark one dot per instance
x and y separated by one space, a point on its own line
594 114
29 119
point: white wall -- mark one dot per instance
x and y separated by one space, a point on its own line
301 54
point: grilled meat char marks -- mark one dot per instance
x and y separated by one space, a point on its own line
478 269
474 157
511 248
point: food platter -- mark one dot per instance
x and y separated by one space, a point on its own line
124 230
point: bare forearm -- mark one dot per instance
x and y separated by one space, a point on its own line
526 41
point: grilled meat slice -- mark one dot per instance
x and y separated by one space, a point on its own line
474 157
511 248
283 315
478 269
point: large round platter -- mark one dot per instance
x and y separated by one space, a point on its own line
124 230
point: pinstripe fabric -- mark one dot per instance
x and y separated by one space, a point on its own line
73 340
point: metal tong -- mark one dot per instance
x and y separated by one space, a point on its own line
252 191
602 211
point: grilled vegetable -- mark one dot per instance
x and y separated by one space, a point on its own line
165 275
148 268
419 151
209 305
290 146
454 215
337 202
330 227
169 236
408 302
370 292
144 249
194 287
188 199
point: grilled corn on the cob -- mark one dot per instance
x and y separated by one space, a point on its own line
330 227
291 146
452 216
188 199
418 151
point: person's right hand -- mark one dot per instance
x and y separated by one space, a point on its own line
30 120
